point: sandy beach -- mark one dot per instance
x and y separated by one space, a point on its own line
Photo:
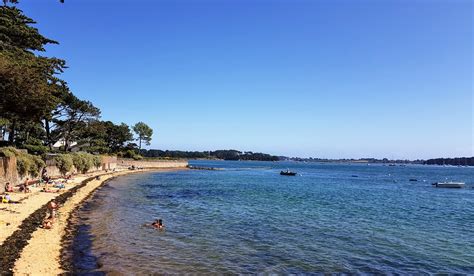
42 247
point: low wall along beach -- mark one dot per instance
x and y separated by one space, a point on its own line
8 167
8 171
153 164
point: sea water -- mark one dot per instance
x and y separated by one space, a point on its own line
246 218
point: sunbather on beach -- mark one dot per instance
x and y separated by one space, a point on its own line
24 187
8 187
59 186
48 190
5 198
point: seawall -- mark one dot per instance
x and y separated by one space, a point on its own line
151 164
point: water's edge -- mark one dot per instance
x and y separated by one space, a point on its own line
97 242
71 231
69 248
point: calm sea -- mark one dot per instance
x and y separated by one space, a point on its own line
247 218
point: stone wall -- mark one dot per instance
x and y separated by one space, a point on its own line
8 169
108 163
125 163
8 172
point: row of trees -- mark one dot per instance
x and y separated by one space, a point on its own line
459 161
218 154
37 107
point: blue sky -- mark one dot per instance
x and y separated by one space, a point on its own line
334 79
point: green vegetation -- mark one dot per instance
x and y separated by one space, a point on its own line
64 163
82 161
96 161
26 163
130 154
37 107
460 161
218 154
8 152
144 133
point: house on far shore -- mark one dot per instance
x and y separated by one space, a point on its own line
73 146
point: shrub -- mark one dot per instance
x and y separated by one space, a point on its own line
130 154
97 160
64 163
82 161
25 163
8 152
36 166
137 157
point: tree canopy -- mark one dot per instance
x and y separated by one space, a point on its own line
37 107
144 133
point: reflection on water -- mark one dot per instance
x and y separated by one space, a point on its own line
242 220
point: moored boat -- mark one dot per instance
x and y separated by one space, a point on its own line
287 172
449 184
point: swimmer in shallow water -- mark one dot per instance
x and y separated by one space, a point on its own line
158 224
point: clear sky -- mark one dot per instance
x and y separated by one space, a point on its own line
330 79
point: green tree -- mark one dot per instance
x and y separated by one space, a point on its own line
144 133
74 115
104 137
29 86
118 136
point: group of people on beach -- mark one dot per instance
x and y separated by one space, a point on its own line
9 188
24 187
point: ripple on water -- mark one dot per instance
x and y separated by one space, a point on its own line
242 220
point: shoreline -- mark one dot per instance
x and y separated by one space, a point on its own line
33 250
66 261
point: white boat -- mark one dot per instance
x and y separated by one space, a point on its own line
449 184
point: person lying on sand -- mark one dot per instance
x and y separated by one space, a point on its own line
24 187
5 198
8 187
48 190
59 186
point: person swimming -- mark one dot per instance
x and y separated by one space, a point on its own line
158 224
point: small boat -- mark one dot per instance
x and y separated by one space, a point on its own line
449 184
413 179
288 172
